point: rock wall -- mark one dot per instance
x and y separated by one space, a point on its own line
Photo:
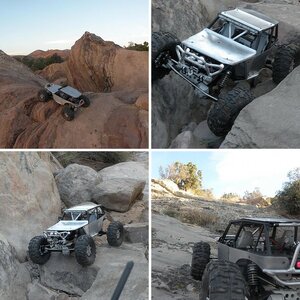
270 121
113 120
95 65
29 198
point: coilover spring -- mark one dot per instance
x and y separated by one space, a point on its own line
252 274
225 79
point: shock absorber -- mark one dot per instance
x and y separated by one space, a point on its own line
225 79
252 274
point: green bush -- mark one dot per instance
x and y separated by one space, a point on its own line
288 199
40 63
138 47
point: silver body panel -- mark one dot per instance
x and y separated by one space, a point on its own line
54 88
219 47
71 91
67 225
250 18
83 207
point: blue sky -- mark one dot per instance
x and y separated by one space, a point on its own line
28 25
235 170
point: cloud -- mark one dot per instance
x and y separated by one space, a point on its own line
241 170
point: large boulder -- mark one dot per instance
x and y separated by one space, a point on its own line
75 184
96 65
29 198
120 185
63 273
13 276
270 121
112 262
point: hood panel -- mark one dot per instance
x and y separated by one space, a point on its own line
67 225
219 47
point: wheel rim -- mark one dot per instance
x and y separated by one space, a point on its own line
118 234
88 250
42 97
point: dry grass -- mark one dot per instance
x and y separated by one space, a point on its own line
192 216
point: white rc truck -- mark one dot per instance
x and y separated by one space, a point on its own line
74 233
70 98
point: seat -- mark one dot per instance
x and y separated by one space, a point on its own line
245 240
287 239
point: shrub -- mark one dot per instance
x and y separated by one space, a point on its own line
197 217
288 199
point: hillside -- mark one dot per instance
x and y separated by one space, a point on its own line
174 215
116 119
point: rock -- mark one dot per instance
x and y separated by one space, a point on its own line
172 244
63 273
142 102
95 65
270 121
29 198
207 138
64 54
136 233
112 262
118 194
75 184
37 291
13 276
185 140
174 104
108 123
120 185
130 170
167 184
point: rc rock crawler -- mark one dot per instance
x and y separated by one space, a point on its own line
70 98
258 259
74 233
223 60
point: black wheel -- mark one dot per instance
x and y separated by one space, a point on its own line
222 114
36 250
200 259
86 101
286 59
44 95
163 46
85 250
223 280
115 234
68 113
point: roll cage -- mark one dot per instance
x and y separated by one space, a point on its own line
265 234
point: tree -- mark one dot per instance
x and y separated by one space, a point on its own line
186 176
288 199
255 198
231 197
138 47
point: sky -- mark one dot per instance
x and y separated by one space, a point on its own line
235 170
29 25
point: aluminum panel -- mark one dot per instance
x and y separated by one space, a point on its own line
219 47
